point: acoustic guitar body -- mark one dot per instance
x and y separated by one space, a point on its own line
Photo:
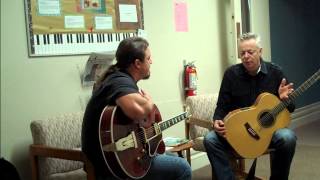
250 129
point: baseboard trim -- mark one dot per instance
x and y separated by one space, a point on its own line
305 115
199 160
299 117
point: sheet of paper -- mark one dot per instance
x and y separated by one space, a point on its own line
49 7
74 22
128 13
181 16
103 22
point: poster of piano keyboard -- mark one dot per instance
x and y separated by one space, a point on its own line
73 27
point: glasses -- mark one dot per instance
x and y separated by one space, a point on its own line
250 52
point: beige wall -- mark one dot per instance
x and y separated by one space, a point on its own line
260 23
34 88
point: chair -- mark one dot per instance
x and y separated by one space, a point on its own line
56 150
201 108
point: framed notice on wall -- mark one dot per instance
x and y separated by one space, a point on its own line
72 27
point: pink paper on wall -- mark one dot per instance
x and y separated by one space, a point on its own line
181 16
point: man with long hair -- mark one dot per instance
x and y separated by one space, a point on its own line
118 87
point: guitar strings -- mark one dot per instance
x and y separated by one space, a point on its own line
292 96
150 132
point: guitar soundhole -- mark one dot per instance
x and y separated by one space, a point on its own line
266 119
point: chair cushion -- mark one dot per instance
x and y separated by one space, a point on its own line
78 174
201 107
198 144
62 131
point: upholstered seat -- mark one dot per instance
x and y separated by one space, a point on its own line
56 150
200 107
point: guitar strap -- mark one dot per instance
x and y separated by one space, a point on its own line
252 171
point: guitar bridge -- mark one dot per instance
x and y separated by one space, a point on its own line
252 132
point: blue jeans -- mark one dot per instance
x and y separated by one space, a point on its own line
283 142
165 167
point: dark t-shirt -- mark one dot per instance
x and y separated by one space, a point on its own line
114 86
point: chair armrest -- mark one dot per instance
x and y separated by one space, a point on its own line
46 151
68 154
200 122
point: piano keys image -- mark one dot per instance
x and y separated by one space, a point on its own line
76 43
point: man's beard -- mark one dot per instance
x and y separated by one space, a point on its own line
146 77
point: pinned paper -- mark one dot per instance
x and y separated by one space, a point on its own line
49 7
181 16
128 13
74 21
103 22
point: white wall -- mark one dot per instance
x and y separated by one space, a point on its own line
34 88
200 44
260 23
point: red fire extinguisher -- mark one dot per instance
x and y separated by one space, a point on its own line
190 79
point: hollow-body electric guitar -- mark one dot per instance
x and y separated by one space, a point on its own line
250 129
128 147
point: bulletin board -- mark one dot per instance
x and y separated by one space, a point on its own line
48 17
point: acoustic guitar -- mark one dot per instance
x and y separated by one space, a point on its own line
250 129
128 147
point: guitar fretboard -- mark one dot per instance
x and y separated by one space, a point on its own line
166 124
302 88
